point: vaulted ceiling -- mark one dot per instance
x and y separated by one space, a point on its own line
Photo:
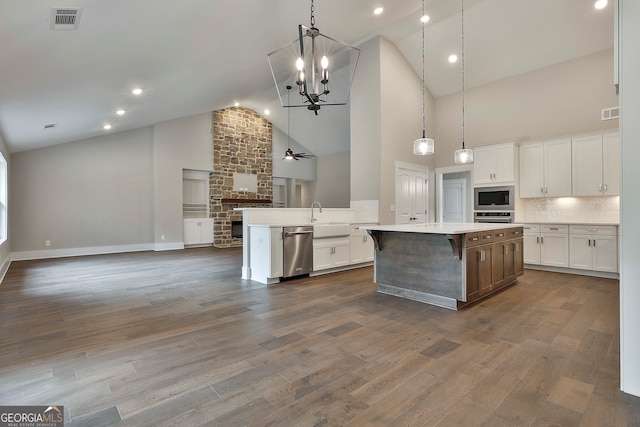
191 57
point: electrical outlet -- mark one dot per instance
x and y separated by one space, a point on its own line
393 208
47 242
162 237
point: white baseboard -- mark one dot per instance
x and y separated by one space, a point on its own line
70 252
171 246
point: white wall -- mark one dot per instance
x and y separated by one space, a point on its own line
562 99
179 144
630 197
332 188
386 116
90 193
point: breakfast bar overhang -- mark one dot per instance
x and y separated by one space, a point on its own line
446 264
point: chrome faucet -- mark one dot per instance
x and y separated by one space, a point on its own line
312 206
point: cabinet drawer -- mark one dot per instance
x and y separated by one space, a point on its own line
604 230
472 239
531 228
513 233
554 228
487 236
500 235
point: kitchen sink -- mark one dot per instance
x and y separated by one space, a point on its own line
331 229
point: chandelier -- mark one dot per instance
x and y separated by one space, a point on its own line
321 68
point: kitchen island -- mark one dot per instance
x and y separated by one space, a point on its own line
446 264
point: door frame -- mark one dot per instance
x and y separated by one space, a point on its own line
464 197
468 201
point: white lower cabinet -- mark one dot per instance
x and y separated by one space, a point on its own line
360 246
546 244
266 254
594 248
197 231
330 252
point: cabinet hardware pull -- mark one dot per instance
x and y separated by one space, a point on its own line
482 256
605 188
589 240
592 229
538 239
594 242
501 234
488 236
599 187
506 249
553 228
541 239
517 247
475 239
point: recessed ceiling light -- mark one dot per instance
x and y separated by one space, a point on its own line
453 58
120 112
107 127
600 4
267 112
136 91
425 19
237 104
378 10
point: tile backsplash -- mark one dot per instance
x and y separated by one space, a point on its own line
572 209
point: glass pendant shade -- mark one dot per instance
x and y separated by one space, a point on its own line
463 156
423 146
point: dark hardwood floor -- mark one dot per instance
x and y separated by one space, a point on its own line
177 338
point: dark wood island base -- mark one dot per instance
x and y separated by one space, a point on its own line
448 265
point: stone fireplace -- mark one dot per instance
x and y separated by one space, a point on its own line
241 149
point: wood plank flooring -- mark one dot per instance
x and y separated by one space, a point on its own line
178 339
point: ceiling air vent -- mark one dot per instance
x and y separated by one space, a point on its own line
65 19
49 126
610 113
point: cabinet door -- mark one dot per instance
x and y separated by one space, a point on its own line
611 164
532 170
605 253
518 257
277 253
504 158
554 249
206 230
473 271
586 165
531 249
340 255
581 253
557 168
368 248
498 264
483 168
322 256
191 232
356 248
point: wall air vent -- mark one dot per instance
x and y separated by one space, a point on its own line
49 125
610 113
65 19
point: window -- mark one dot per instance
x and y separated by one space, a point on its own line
4 209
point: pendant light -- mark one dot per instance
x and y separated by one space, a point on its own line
307 62
423 146
464 155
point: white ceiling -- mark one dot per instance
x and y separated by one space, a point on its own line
192 57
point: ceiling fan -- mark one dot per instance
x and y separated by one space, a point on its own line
289 154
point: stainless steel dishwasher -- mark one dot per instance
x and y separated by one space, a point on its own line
298 250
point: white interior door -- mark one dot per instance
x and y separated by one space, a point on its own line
453 193
411 196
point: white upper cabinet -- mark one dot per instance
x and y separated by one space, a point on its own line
596 165
494 164
545 169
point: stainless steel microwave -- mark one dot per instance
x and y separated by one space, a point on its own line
494 198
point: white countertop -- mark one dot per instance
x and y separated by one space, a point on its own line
569 223
440 227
